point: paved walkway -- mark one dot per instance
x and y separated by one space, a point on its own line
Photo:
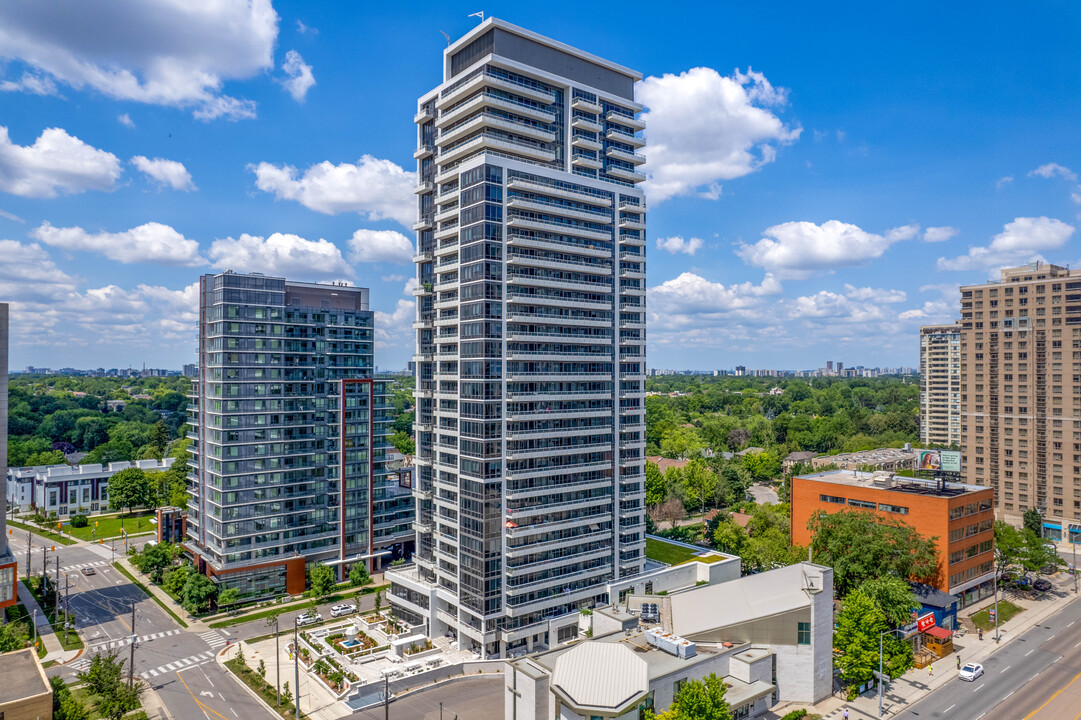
915 684
44 630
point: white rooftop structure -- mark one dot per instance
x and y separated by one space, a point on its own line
623 683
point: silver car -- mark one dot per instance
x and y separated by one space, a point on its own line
309 618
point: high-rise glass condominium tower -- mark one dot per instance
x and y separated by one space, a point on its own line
289 436
530 342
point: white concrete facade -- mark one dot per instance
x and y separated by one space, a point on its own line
69 489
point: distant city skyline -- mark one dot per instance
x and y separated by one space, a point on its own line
824 193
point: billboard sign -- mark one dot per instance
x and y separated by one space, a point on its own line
951 460
944 460
926 622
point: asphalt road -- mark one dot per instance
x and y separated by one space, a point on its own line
1032 676
177 663
257 628
472 699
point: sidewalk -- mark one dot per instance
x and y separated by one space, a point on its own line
45 630
915 684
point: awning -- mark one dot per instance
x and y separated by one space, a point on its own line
938 632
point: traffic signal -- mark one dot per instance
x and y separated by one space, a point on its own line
52 548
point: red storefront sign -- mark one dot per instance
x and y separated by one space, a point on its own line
926 622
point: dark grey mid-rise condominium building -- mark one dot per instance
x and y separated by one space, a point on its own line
289 436
530 342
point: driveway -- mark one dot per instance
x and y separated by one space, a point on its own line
763 494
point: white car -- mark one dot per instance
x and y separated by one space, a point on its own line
309 618
339 610
970 672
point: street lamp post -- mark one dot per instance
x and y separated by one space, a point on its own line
277 659
881 673
296 663
996 606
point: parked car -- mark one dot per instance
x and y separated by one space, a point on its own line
89 571
344 609
1049 569
1041 585
970 672
309 618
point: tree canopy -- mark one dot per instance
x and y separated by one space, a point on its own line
698 700
860 545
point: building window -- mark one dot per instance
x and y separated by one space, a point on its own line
803 633
741 712
832 499
862 504
886 507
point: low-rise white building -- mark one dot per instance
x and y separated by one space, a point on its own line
768 636
67 489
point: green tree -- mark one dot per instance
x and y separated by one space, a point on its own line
681 442
1038 553
1010 549
129 489
403 443
763 466
112 451
13 636
228 596
699 483
893 596
322 581
51 457
358 575
153 560
159 437
730 537
856 639
860 545
698 700
175 579
1033 522
287 694
656 487
65 706
104 678
198 592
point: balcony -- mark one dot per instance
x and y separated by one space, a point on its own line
487 99
626 223
623 174
625 119
424 115
632 207
631 157
559 209
580 140
461 89
555 227
425 256
585 161
586 105
625 137
632 239
491 120
582 123
522 184
499 144
424 151
424 186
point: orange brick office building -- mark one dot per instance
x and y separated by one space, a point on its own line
960 516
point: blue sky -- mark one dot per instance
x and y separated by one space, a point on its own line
821 181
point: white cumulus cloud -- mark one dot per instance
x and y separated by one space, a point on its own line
149 243
280 254
378 189
676 244
1020 241
380 246
165 172
1050 170
298 76
125 120
162 52
56 163
690 294
798 249
940 234
34 84
395 329
878 295
704 127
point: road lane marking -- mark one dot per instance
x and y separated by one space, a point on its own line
1053 635
1004 669
1057 693
1071 624
951 707
979 688
237 716
1030 652
199 702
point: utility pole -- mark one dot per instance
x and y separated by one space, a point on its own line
1073 548
29 545
44 569
56 582
996 607
277 660
67 607
386 699
131 657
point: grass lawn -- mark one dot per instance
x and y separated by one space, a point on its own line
18 613
109 526
82 694
1006 610
43 533
665 552
261 687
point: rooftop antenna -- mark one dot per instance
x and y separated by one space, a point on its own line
477 14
